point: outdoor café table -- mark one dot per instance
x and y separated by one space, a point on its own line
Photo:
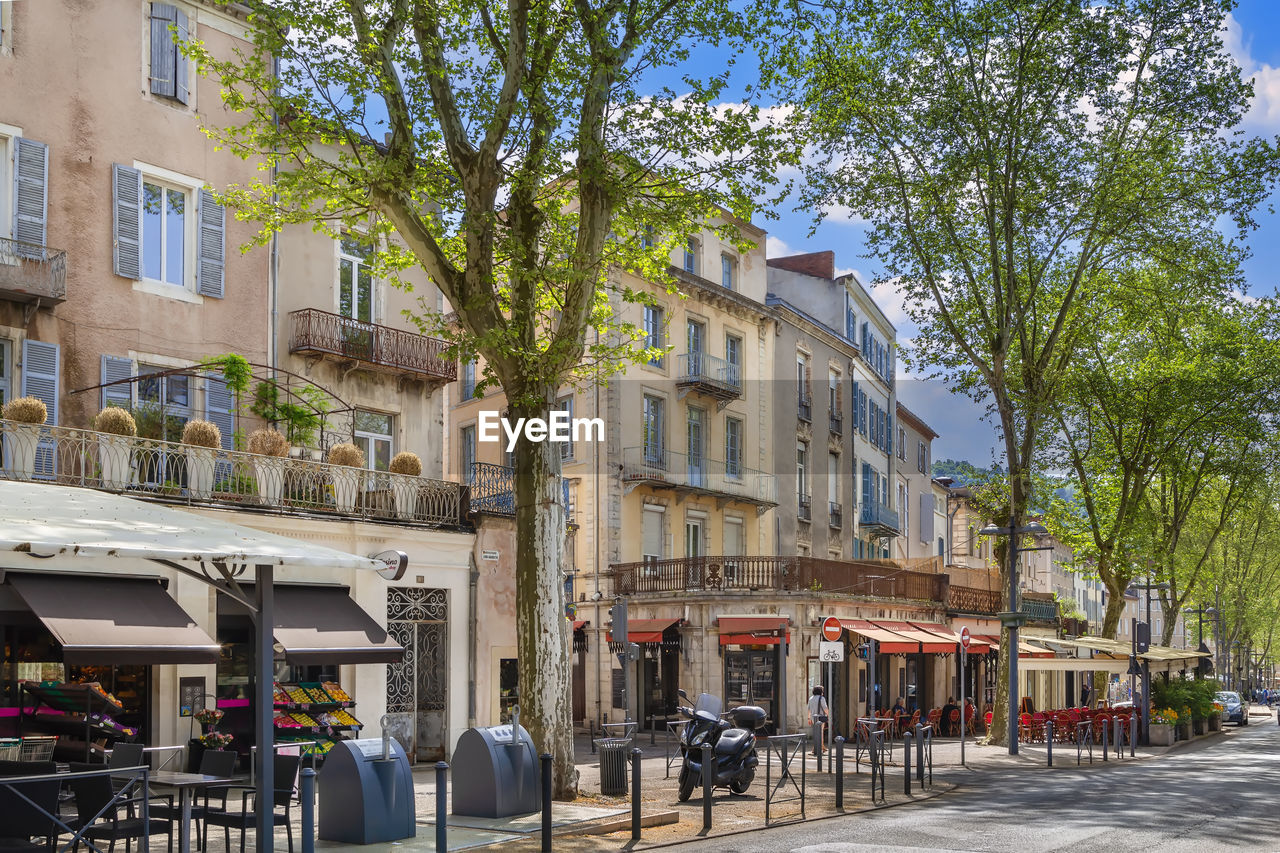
186 784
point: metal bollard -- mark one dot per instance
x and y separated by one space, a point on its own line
635 793
1133 733
1115 725
591 735
546 802
307 792
442 807
1048 739
920 754
708 780
906 763
1104 743
839 772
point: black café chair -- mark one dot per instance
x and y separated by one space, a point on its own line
94 797
125 755
286 770
20 821
213 762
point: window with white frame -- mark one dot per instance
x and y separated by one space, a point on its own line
355 280
653 333
164 232
689 261
468 384
651 538
373 431
733 355
729 272
802 468
164 403
6 372
565 404
733 448
467 453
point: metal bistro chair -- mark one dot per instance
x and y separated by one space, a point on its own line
22 820
98 808
286 770
124 755
213 762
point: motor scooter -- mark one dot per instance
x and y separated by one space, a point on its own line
733 744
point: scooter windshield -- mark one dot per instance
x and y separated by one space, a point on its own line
709 703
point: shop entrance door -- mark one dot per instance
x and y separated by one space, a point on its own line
658 673
751 679
418 686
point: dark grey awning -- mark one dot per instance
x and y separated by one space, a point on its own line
321 624
106 620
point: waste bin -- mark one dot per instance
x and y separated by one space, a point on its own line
495 773
613 765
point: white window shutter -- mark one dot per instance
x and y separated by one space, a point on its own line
126 240
180 87
164 75
40 363
31 196
219 408
115 369
210 270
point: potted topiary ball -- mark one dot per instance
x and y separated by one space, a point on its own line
202 439
26 415
271 451
116 428
348 464
404 487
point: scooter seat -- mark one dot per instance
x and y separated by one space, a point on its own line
732 742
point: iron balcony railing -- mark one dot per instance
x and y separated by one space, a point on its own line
989 602
804 508
835 514
708 374
658 467
208 476
837 425
31 273
879 515
804 407
493 490
324 333
866 578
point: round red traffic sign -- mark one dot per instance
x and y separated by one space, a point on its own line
964 638
831 629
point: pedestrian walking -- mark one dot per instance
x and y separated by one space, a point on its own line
819 714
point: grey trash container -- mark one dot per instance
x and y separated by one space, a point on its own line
613 765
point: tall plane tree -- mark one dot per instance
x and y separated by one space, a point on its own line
1009 154
512 152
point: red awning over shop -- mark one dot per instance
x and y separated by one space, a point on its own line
976 646
888 642
645 630
579 624
929 643
752 630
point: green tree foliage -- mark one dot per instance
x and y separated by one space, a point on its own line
1012 157
515 153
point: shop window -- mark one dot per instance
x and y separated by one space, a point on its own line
508 687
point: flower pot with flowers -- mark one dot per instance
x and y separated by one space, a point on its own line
117 429
407 467
26 415
216 740
347 466
1215 717
271 451
1163 721
1184 723
202 439
210 738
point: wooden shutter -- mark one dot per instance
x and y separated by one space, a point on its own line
866 484
926 518
219 409
31 196
40 363
114 369
651 535
164 56
126 240
888 434
210 269
180 87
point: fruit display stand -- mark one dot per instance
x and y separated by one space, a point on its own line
71 709
312 714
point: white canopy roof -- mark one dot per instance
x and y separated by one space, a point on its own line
46 520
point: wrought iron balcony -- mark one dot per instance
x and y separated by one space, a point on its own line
1038 607
804 508
860 578
835 515
175 472
709 375
493 490
32 274
837 425
879 520
661 468
327 335
804 407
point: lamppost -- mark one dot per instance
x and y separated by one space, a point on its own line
1205 666
1013 617
1147 586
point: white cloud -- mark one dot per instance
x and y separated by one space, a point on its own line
776 247
1264 113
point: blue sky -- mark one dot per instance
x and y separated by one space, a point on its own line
1254 40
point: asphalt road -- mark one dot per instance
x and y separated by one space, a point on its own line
1217 795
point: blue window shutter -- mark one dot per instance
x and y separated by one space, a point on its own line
31 196
164 66
115 369
40 367
888 434
210 271
866 332
219 408
866 484
180 87
126 239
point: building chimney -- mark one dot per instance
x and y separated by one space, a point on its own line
820 264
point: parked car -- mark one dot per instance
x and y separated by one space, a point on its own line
1233 709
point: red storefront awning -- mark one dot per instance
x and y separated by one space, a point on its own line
645 630
888 642
579 624
976 647
752 630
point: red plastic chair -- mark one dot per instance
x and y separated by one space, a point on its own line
953 724
1024 727
986 720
